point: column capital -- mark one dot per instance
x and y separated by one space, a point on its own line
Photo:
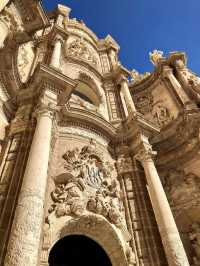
48 110
145 153
58 38
122 79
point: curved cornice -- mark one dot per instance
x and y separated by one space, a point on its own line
94 121
156 75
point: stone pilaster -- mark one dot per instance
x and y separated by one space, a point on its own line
172 243
55 58
24 242
167 73
127 96
63 13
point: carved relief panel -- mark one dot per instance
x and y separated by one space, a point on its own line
157 104
24 60
80 49
83 183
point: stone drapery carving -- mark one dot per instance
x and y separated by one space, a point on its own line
87 186
194 236
156 56
79 49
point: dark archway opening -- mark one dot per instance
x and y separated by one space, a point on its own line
77 250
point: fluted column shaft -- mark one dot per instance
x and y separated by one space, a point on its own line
24 242
55 58
127 96
172 243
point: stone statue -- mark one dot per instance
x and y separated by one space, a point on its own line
156 56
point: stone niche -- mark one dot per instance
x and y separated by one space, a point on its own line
83 185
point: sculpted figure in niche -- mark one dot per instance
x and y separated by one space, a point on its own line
194 236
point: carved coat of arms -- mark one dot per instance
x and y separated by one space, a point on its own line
88 186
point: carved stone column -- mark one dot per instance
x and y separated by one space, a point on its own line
124 104
3 3
24 242
173 246
55 58
167 73
127 96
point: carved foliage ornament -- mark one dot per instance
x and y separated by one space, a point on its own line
88 187
79 49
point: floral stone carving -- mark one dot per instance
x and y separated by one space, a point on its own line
87 186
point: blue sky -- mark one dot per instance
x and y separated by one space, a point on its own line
140 26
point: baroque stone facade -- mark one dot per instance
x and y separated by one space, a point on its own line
90 148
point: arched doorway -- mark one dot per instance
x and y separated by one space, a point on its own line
76 250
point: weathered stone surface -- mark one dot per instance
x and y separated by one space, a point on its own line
91 148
